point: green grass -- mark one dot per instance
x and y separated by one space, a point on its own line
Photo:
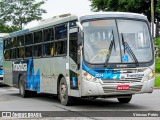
157 81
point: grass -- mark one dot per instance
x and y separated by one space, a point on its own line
157 81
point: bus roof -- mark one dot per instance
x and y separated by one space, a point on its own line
95 15
69 17
3 34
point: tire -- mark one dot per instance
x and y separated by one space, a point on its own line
24 93
32 93
65 99
125 100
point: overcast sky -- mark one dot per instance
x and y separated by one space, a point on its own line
57 7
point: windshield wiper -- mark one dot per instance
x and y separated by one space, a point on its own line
110 48
129 50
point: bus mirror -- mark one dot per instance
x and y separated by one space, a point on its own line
79 25
80 34
79 56
80 38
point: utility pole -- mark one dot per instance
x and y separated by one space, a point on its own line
152 17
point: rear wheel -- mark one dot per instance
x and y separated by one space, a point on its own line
63 93
125 100
24 93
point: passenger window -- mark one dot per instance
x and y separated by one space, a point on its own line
6 54
5 44
13 53
20 52
61 31
28 51
48 49
38 50
38 37
48 34
61 47
9 43
14 42
20 40
28 39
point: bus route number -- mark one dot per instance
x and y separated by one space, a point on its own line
99 75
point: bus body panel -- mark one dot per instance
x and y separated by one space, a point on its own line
8 77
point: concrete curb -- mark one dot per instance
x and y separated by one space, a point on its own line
156 87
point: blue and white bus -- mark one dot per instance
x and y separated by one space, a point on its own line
96 55
1 56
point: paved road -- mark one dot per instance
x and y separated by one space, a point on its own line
11 101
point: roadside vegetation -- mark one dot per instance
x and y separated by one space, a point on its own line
158 65
157 80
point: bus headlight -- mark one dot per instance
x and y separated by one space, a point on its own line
150 75
88 76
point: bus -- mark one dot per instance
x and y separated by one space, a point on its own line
96 55
1 56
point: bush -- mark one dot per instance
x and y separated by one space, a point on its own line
157 65
157 43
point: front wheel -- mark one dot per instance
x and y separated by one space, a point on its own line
63 93
125 100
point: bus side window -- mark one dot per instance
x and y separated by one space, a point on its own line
5 44
61 39
28 39
20 52
38 50
20 41
28 51
61 48
48 48
52 51
38 37
13 53
6 54
48 34
73 46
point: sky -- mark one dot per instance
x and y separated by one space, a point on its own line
57 7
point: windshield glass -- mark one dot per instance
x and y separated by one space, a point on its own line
136 34
1 52
98 38
101 41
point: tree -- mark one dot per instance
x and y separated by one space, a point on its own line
20 12
7 29
137 6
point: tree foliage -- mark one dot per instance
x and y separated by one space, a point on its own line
157 43
20 12
137 6
7 29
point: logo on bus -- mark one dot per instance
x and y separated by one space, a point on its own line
135 75
20 67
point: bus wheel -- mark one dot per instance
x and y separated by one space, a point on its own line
125 100
24 93
63 93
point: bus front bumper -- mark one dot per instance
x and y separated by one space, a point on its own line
99 89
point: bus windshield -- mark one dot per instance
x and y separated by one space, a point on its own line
106 39
1 52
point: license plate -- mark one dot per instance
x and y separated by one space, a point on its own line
123 87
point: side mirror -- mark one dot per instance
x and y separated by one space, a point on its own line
80 34
80 38
79 43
